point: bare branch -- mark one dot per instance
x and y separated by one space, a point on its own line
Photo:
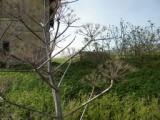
5 30
44 79
17 70
62 32
64 73
34 21
74 54
60 40
70 2
26 108
58 25
25 25
19 38
87 104
32 31
56 54
91 100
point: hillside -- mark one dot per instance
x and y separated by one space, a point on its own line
138 97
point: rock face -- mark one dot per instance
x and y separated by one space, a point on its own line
21 18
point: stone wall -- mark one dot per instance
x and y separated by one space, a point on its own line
95 57
22 42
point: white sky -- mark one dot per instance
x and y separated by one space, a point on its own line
110 12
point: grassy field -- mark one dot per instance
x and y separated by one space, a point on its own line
136 98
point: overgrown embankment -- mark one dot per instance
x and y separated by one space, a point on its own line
136 98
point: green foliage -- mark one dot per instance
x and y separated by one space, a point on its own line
146 60
145 82
28 91
136 98
112 107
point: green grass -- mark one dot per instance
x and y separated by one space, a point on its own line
59 60
136 98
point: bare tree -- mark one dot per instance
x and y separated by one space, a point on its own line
39 56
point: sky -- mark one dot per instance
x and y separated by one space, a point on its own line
110 12
107 12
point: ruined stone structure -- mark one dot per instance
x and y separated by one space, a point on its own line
18 41
94 57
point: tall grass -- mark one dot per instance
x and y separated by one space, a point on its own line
136 98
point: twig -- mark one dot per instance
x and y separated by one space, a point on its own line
97 96
5 30
44 79
24 25
87 104
17 71
26 108
56 54
74 54
70 2
34 21
81 50
64 73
